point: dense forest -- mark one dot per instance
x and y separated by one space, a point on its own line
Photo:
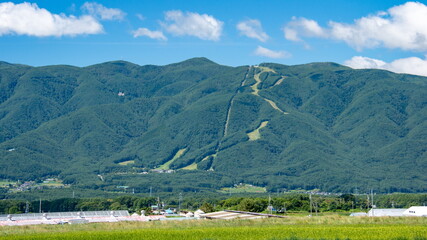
199 126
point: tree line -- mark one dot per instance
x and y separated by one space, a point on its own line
278 204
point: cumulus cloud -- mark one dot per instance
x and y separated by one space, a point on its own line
252 28
411 65
148 33
265 52
203 26
303 27
29 19
402 26
102 12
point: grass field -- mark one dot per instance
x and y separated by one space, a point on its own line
331 227
52 183
244 188
5 183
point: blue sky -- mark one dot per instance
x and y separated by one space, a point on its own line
387 34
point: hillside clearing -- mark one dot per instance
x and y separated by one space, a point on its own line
192 166
125 163
255 134
178 154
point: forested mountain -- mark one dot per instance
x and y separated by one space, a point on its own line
318 125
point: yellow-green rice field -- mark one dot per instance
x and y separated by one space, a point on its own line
326 227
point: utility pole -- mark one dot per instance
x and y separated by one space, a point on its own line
373 205
355 198
179 202
368 203
311 206
27 207
284 207
40 206
317 208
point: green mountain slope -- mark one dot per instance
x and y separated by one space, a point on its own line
318 125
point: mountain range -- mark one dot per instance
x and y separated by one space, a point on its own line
197 125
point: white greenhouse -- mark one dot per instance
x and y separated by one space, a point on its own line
416 211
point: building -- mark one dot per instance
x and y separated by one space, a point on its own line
358 214
416 211
386 212
71 218
229 214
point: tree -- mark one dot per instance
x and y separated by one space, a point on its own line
14 210
252 205
207 207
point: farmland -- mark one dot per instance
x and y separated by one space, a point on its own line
326 227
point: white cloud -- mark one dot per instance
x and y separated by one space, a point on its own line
202 26
411 65
359 62
402 26
265 52
303 27
148 33
252 28
29 19
102 12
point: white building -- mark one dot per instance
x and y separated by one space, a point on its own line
358 214
198 213
386 212
230 214
72 217
416 211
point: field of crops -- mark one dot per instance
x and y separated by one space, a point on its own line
330 227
